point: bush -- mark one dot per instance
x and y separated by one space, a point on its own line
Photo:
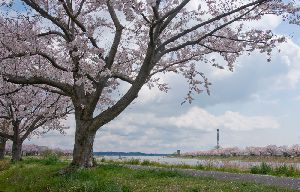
134 161
146 162
285 170
50 158
255 170
263 168
199 167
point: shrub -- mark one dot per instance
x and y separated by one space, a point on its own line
285 170
134 161
50 159
146 162
263 168
255 170
199 167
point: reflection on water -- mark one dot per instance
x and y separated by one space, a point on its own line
193 162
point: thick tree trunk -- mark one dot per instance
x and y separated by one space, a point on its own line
83 147
2 147
17 150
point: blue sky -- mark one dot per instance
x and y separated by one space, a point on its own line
256 105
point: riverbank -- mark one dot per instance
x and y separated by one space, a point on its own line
264 168
276 159
43 175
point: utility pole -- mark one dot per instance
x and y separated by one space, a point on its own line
218 139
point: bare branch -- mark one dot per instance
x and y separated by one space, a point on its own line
78 23
46 56
173 64
46 15
172 39
217 50
66 88
4 117
171 15
80 8
51 90
188 43
122 77
53 33
117 38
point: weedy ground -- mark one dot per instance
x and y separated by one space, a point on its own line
42 174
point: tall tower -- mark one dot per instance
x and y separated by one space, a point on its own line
218 139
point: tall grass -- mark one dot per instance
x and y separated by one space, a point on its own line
282 170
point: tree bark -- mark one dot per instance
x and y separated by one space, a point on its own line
17 150
2 147
83 146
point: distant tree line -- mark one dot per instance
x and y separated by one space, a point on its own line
270 150
34 150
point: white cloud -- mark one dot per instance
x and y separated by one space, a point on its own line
69 122
290 56
201 119
146 95
194 118
267 22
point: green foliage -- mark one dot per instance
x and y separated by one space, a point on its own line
199 167
134 162
146 162
51 159
285 170
263 168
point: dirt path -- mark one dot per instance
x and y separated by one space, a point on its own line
285 182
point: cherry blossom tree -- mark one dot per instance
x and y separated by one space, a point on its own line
28 111
86 49
270 150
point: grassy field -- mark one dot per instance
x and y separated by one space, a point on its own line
43 175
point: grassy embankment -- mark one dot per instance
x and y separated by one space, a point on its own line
42 174
263 168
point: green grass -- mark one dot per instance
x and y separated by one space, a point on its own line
37 175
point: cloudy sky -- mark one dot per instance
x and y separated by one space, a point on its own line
256 105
